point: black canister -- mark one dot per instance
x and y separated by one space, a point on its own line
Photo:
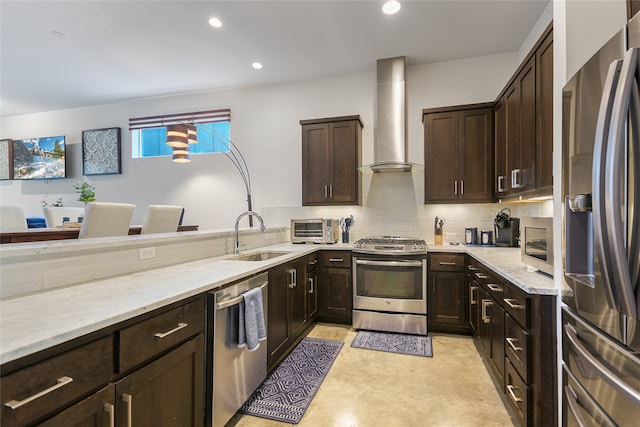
471 236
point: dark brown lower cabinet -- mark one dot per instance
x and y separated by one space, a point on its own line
516 336
312 287
167 392
97 410
447 301
336 292
288 319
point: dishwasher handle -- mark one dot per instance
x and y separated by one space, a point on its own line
237 300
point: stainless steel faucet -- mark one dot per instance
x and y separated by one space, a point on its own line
236 246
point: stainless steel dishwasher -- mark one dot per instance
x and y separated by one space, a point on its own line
236 372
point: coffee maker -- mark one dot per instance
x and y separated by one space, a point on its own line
507 229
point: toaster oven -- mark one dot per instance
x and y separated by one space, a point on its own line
318 230
536 243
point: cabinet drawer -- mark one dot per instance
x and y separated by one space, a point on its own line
336 259
516 344
518 393
153 336
39 390
492 283
447 262
518 305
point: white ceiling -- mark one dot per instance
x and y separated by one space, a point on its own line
67 54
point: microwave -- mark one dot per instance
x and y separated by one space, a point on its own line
536 243
318 230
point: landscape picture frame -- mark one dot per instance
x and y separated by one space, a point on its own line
101 151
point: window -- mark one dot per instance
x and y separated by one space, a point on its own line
148 134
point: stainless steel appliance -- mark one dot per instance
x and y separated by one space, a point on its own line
601 258
236 372
390 284
471 235
536 247
507 229
317 230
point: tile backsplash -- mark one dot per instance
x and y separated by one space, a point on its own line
393 203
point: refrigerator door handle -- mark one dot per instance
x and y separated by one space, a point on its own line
633 202
606 374
572 403
598 194
614 196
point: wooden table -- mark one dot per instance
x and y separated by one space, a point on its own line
42 234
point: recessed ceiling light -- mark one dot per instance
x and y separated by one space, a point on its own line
391 7
256 65
215 22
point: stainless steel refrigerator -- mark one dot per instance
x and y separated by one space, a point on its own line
601 237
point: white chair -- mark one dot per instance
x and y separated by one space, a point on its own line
106 219
53 215
12 218
161 219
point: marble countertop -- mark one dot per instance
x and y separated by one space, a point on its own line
32 323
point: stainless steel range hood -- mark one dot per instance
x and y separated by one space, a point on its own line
390 145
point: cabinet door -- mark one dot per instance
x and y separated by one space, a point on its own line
335 295
97 410
512 121
312 294
521 148
484 321
441 156
544 114
447 302
497 341
343 184
476 155
474 304
316 167
278 324
166 392
500 150
297 289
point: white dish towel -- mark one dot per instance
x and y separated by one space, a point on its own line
251 328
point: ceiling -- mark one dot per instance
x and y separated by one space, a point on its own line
68 54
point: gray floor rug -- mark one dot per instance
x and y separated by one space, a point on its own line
288 390
417 345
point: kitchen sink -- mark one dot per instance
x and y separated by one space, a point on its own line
258 256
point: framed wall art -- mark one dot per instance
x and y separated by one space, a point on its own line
6 159
101 152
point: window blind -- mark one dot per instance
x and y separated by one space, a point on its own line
211 116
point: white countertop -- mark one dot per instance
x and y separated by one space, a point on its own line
32 323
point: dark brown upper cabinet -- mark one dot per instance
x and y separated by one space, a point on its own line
331 153
523 154
458 153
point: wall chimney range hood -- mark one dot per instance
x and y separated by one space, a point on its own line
390 144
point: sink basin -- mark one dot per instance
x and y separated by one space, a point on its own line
258 256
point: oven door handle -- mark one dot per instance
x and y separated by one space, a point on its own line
390 263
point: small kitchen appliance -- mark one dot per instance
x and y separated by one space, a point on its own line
507 229
537 243
317 230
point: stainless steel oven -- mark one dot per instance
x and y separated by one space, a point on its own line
390 285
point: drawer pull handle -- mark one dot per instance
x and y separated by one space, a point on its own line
60 382
110 409
512 303
314 262
481 276
472 295
494 287
451 264
510 341
471 268
176 329
128 400
512 394
310 285
336 259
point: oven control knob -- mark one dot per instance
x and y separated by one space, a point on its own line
388 302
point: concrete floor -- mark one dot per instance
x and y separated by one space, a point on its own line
366 388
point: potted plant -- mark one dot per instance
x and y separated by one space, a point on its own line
86 192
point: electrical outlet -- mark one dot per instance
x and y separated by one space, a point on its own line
147 253
269 236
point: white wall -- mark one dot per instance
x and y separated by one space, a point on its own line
265 125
